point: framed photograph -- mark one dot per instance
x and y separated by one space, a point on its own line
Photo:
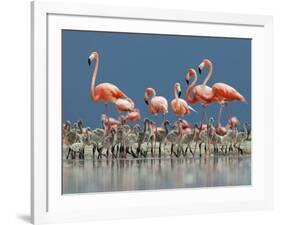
140 112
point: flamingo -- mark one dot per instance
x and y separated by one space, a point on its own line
201 93
104 92
157 104
134 115
179 105
222 92
109 121
124 105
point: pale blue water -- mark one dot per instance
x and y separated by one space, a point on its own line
149 174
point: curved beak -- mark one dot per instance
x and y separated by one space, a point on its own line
146 101
89 61
187 82
199 69
179 93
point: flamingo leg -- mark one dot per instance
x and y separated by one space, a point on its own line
233 128
220 113
202 117
107 118
228 110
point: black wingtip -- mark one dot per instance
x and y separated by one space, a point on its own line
89 61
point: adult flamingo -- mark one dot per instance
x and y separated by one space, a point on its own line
124 105
201 93
134 115
104 92
179 105
156 104
222 92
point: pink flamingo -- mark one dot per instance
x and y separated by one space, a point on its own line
105 92
109 121
134 115
201 93
179 105
124 105
222 92
157 104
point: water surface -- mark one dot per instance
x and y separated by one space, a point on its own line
148 174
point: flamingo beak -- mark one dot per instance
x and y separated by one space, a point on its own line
89 61
146 102
179 94
187 81
199 69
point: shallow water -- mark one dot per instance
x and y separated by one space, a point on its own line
148 174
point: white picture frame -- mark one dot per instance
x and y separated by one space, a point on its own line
49 205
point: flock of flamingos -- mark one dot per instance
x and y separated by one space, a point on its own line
117 139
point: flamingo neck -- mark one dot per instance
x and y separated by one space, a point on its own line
151 93
94 75
189 89
176 95
210 71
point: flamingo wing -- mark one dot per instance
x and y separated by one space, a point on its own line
108 92
227 93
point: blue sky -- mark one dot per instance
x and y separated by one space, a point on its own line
136 61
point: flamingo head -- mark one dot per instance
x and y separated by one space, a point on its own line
191 72
205 62
178 88
92 56
148 92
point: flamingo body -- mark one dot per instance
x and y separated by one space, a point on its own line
179 107
158 104
107 92
204 94
133 116
124 105
225 92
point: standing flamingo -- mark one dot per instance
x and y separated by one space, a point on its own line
156 104
105 92
222 92
201 93
179 105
